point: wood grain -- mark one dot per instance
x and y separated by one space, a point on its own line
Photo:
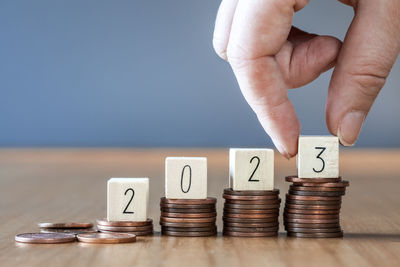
40 185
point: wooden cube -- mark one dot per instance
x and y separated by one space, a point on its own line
318 157
251 169
127 199
186 177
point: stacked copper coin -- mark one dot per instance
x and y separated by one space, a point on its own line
138 228
67 227
312 207
251 213
188 217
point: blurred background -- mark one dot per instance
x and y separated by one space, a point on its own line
144 74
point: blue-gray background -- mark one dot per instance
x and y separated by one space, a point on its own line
143 73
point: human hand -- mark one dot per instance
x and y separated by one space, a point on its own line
269 56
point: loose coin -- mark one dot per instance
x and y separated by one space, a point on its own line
253 202
251 207
125 228
249 220
299 211
250 229
312 207
313 198
250 216
313 230
107 238
209 200
124 223
311 225
316 235
45 238
188 210
251 225
317 188
257 234
188 234
313 221
68 231
65 225
315 193
229 191
246 211
187 206
171 224
191 229
250 198
188 220
334 184
188 215
311 216
295 179
137 233
313 202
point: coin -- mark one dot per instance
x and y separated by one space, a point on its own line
250 198
313 202
188 210
251 216
107 238
124 223
315 193
295 179
300 211
126 228
230 191
187 206
342 183
250 229
311 216
313 230
298 220
209 200
137 233
45 238
188 215
251 225
188 220
317 188
65 225
189 234
311 225
312 207
68 231
247 211
316 235
191 229
257 234
253 202
174 224
250 220
314 198
251 207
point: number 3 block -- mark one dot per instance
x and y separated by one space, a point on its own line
251 169
127 199
318 157
186 177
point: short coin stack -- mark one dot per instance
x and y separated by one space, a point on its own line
74 228
251 213
188 217
138 228
312 207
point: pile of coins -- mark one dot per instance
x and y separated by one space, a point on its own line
251 213
73 228
131 227
188 217
312 207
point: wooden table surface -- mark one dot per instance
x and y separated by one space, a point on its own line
70 185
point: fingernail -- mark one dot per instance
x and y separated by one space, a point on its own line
350 127
282 150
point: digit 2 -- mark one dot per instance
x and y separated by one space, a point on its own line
190 178
129 202
319 157
254 171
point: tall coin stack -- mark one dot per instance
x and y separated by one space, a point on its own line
312 207
188 217
251 213
138 228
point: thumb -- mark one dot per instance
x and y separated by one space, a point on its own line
369 51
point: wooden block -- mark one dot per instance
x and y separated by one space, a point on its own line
186 177
251 169
318 157
127 199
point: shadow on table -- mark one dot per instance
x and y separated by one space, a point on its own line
394 237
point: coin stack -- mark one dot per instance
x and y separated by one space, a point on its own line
67 227
138 228
251 213
312 207
188 217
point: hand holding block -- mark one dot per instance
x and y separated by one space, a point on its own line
251 169
127 199
318 157
186 177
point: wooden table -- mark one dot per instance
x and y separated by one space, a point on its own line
70 185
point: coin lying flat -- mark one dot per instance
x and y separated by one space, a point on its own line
107 238
251 207
313 202
230 191
247 211
65 225
137 233
188 215
310 216
125 228
191 229
68 231
253 202
296 179
250 220
251 229
313 198
250 198
317 212
45 238
316 193
188 210
316 235
311 225
189 234
342 183
251 216
251 225
187 206
209 200
188 225
187 220
314 230
312 221
312 207
317 188
105 222
244 234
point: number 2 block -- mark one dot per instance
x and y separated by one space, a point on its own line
186 177
127 199
251 169
318 157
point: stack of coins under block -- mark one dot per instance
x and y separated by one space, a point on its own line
251 213
139 228
188 217
312 207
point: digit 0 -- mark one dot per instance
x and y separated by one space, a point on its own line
190 178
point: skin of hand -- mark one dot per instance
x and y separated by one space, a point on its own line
268 56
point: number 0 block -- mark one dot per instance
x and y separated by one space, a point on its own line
127 199
186 177
318 157
251 169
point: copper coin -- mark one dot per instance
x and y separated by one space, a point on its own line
170 224
316 193
298 211
188 210
257 234
124 223
125 228
191 229
189 234
250 220
298 220
230 191
188 220
187 206
296 179
250 216
45 238
314 198
317 188
65 225
251 225
245 211
137 233
311 225
68 231
107 238
311 216
209 200
314 230
253 202
251 207
313 202
189 215
312 207
316 235
342 183
250 229
250 198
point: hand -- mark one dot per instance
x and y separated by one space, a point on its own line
268 56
